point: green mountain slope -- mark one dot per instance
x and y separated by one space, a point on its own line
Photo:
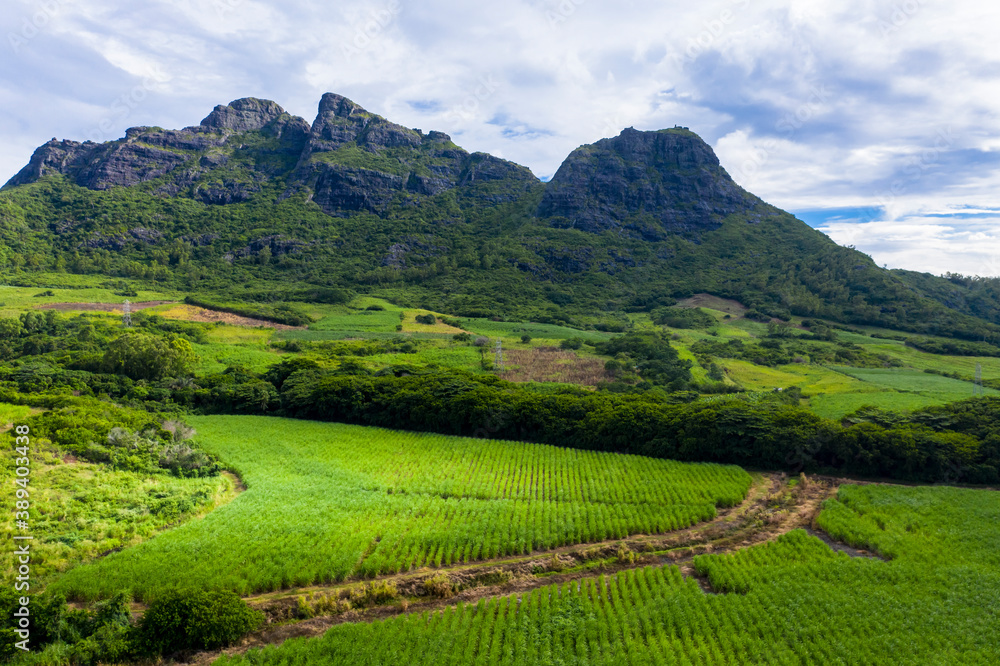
253 198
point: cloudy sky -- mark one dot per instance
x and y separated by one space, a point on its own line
875 121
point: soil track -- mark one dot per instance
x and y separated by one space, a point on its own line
773 507
195 313
101 307
181 311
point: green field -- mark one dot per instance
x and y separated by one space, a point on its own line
838 405
326 502
14 300
915 381
10 414
82 510
790 601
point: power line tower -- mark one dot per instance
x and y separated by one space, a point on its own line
498 359
127 314
977 388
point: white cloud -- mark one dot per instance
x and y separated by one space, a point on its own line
843 98
927 244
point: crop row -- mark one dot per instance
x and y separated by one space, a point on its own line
326 502
791 601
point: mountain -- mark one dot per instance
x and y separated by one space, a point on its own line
253 198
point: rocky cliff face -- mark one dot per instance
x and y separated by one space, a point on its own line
150 153
358 161
645 184
348 160
650 184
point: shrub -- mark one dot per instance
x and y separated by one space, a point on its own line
525 338
195 620
427 319
481 341
461 337
374 593
571 343
756 315
440 586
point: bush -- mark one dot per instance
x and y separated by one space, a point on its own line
427 319
195 621
571 343
440 586
675 317
461 337
756 315
525 338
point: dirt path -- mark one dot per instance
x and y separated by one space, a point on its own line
195 313
102 307
773 507
180 311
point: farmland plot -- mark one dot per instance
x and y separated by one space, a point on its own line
325 502
791 601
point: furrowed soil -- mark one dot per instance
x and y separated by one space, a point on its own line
774 506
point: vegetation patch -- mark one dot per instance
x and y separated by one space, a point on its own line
319 494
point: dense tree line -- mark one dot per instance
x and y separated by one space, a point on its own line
930 445
91 359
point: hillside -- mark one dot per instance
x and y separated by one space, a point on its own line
255 201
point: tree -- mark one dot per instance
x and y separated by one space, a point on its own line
196 620
142 356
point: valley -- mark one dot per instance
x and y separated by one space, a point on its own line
279 392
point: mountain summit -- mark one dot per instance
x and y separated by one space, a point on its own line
652 183
349 160
254 195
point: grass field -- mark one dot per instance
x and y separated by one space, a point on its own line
11 414
216 357
14 300
325 502
507 329
916 381
790 601
81 510
838 405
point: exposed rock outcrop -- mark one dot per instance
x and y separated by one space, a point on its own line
651 184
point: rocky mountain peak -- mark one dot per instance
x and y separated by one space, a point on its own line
248 114
651 184
338 105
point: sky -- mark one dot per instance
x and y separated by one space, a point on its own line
876 122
